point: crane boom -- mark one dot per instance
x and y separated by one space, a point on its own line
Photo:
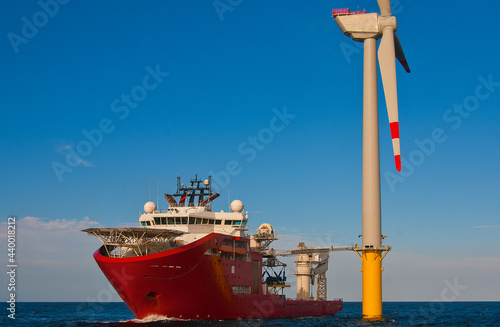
289 253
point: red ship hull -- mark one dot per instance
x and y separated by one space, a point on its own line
191 282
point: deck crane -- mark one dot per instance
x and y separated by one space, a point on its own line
312 264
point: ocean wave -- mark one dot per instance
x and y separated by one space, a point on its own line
155 318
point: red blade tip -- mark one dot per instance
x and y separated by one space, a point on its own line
398 162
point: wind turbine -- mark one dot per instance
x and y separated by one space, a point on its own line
368 28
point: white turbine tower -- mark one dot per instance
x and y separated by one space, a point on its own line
368 28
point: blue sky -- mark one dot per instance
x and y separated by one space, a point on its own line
135 93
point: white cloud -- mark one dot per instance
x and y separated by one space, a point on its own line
54 255
67 151
486 226
69 225
41 241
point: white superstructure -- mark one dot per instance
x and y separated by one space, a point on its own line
193 213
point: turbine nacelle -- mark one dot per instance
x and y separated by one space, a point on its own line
365 26
360 27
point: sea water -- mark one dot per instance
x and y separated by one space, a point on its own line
395 314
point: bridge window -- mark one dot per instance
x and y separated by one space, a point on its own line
163 220
236 222
218 221
170 220
210 221
177 220
143 223
198 221
227 222
157 221
192 221
184 220
148 223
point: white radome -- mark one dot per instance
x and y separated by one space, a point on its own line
150 207
236 206
206 182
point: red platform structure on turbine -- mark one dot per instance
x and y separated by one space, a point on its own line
346 11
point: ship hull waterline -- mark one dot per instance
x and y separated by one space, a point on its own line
189 282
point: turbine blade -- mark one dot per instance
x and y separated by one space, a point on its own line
385 7
399 53
387 62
